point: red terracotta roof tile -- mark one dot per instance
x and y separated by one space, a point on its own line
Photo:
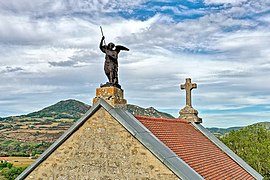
194 148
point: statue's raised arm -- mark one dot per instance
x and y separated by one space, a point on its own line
101 46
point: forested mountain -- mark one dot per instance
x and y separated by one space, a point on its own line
221 131
73 109
64 109
252 144
151 112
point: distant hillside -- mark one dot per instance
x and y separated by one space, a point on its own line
48 124
151 112
73 109
265 124
64 109
221 131
252 144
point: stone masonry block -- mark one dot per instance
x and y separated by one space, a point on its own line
113 95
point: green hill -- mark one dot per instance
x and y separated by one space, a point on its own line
265 124
221 131
73 109
64 109
151 112
252 144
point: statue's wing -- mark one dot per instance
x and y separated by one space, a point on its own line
118 48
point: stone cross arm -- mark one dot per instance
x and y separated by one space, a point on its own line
188 86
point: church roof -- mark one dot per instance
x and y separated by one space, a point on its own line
187 149
199 149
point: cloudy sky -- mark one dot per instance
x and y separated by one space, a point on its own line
49 52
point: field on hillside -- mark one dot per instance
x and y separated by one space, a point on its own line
19 161
34 129
11 167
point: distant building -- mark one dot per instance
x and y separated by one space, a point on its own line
3 159
110 143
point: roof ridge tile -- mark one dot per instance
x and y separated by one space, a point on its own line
161 119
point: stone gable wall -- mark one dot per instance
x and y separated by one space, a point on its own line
101 149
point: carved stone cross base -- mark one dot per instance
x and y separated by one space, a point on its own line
189 114
113 95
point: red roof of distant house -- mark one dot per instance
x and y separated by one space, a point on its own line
194 148
3 159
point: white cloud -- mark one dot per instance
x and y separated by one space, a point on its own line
48 8
234 2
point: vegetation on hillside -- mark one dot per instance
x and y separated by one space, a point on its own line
151 112
221 131
10 172
252 144
73 109
20 148
64 109
265 124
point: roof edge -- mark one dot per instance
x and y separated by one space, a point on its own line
228 151
162 119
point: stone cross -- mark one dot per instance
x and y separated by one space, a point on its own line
188 86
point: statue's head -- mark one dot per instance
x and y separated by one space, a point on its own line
110 45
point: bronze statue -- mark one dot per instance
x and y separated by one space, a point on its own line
111 61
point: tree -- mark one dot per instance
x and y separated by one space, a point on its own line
5 164
12 173
252 144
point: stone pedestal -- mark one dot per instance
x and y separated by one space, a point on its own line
113 95
189 114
